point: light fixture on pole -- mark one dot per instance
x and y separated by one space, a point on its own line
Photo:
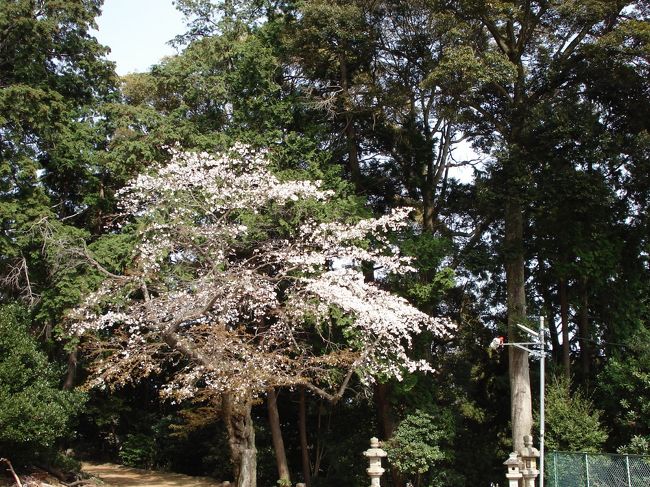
539 351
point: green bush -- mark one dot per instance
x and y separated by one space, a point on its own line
624 386
34 412
138 450
416 448
638 445
572 422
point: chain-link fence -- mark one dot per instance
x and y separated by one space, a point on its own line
596 470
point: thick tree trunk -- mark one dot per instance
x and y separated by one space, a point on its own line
437 171
564 318
241 439
520 394
428 195
428 208
304 446
71 373
276 435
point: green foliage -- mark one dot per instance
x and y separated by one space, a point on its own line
625 388
427 287
53 80
638 445
340 451
138 450
570 110
34 413
52 77
415 448
572 423
62 462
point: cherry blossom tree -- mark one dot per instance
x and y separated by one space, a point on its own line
236 287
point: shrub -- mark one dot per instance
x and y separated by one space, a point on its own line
415 448
638 445
139 450
572 422
34 413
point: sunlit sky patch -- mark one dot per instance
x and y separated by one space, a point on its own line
138 32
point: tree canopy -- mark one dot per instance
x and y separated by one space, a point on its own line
222 282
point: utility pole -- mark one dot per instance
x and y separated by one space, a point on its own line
539 343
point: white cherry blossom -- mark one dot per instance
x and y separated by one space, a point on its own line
229 310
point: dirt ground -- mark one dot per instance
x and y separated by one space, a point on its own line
120 476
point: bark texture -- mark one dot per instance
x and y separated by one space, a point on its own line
520 394
71 374
241 439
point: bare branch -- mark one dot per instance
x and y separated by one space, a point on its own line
12 471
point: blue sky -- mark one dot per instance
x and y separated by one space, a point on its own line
137 31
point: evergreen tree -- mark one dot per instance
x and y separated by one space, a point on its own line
52 78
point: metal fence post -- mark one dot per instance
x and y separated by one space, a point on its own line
587 469
627 467
555 468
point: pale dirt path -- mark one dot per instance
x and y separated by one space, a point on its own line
121 476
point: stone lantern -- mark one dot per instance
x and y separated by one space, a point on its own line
513 464
529 456
375 454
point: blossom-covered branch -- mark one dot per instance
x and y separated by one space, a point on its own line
233 305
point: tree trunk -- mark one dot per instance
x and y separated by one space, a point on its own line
555 339
353 152
428 194
583 327
276 435
386 423
71 373
437 171
564 317
304 446
547 296
521 410
350 129
428 208
241 439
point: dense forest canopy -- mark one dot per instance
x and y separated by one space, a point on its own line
150 274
